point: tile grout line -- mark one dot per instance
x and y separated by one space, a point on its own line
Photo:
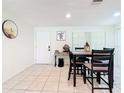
22 80
18 73
28 86
46 81
59 82
31 82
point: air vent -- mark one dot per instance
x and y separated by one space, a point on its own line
97 0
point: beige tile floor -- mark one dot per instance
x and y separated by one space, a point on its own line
48 79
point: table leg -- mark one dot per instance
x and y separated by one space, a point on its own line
55 61
112 70
74 65
98 77
84 74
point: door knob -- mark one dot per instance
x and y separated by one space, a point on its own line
49 48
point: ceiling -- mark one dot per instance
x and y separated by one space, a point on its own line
52 12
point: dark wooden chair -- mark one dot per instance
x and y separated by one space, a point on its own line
109 49
78 65
81 58
101 62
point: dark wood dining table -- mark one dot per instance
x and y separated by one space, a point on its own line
86 54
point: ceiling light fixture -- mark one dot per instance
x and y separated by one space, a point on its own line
116 14
68 15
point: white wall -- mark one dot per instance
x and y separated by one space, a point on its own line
17 53
97 40
79 39
117 63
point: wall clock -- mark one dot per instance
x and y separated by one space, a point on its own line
10 29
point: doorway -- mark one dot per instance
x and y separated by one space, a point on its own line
42 47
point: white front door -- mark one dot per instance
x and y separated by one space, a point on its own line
42 47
